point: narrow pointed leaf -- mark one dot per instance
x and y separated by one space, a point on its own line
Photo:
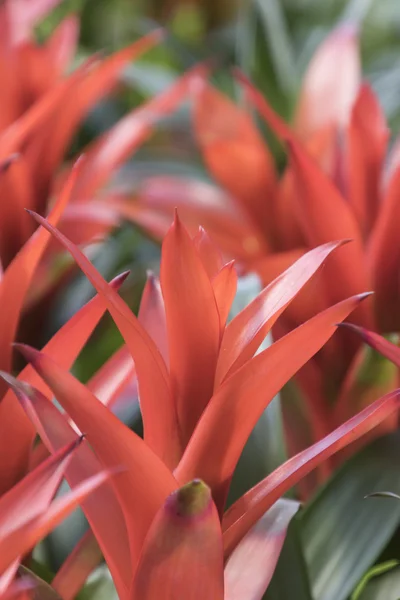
193 326
33 494
16 431
245 512
229 418
367 141
247 330
234 152
377 342
101 508
157 408
26 536
114 445
225 285
152 314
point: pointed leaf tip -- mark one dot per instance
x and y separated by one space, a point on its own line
191 500
30 354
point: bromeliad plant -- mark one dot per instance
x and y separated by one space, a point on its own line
164 532
336 185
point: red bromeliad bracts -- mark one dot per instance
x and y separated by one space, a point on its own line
41 109
336 185
164 532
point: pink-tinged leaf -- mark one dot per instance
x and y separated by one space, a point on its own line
367 138
101 509
377 342
325 216
275 122
383 258
249 508
62 44
73 573
115 146
27 535
33 494
230 416
251 565
209 253
225 285
152 314
158 410
193 327
197 202
235 153
182 554
247 330
16 431
25 14
110 381
20 589
331 83
114 445
6 580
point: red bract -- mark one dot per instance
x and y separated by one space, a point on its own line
28 513
202 390
335 186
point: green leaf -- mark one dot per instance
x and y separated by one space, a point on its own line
100 586
280 43
383 587
343 533
290 579
42 590
374 572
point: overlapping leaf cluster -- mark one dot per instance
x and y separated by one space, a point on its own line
157 505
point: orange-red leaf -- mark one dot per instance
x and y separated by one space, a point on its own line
246 331
193 326
158 410
225 285
182 554
114 445
16 431
367 138
152 314
379 343
249 508
383 256
231 414
33 494
102 508
235 153
26 536
325 216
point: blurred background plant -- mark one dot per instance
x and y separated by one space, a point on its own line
272 41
